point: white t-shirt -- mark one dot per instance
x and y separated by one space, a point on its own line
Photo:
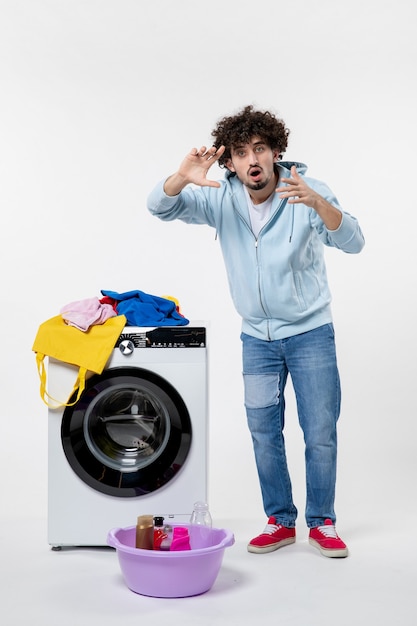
259 213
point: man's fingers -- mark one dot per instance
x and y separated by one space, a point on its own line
211 153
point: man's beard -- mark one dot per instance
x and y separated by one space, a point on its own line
257 186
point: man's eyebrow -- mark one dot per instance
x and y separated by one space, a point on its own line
242 145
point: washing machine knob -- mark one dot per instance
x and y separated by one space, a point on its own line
126 347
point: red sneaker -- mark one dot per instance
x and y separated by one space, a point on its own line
326 539
273 537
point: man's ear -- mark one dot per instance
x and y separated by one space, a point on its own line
229 165
277 155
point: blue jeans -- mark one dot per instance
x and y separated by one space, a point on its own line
310 359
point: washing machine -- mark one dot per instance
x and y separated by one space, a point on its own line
136 442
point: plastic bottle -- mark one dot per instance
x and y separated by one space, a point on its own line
159 533
180 539
200 526
144 532
167 539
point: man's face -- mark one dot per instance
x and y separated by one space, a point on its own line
253 163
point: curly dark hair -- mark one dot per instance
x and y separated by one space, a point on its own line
240 128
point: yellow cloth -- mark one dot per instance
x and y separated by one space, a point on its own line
88 350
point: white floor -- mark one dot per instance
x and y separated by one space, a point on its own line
294 586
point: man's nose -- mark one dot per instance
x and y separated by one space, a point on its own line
253 158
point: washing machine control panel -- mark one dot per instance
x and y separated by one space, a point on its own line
168 337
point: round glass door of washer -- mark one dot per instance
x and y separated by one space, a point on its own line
129 434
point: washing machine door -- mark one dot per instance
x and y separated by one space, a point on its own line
129 434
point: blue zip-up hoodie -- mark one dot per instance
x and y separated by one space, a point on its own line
278 280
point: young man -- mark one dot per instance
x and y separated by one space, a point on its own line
272 222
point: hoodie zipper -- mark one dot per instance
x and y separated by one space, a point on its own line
256 251
259 288
280 207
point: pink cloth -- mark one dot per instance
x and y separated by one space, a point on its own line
85 313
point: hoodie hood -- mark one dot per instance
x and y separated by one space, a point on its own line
287 165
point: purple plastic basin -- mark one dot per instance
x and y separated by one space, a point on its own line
170 574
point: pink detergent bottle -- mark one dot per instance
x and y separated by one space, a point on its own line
180 539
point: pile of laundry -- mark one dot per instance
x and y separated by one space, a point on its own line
139 308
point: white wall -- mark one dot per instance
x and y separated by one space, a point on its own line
102 98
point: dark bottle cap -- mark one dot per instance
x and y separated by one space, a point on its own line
158 521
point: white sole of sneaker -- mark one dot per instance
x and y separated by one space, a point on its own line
335 554
272 547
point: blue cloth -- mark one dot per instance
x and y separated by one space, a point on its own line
143 309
